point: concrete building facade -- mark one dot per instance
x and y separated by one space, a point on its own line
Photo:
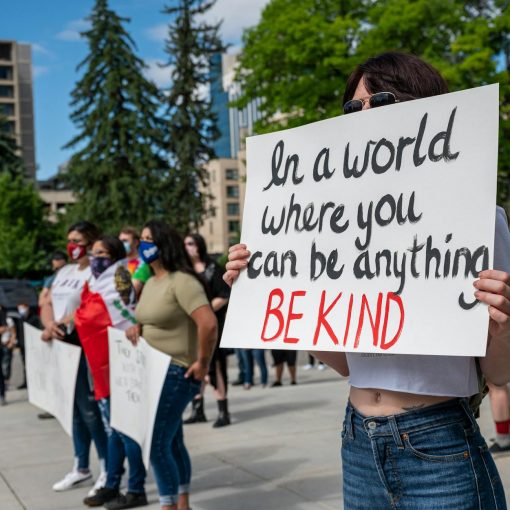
16 98
227 185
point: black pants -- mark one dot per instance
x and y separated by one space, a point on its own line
2 382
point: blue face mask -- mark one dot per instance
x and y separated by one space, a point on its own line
148 252
99 265
127 246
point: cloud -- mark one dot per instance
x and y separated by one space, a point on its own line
72 30
235 20
41 50
159 75
157 33
40 71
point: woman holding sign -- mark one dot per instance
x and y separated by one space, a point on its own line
408 426
57 312
175 317
109 301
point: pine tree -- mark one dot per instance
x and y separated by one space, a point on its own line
10 161
191 44
120 170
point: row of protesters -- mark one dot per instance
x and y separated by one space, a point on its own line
218 293
173 314
408 424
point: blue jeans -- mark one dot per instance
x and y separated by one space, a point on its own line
433 458
121 446
87 423
259 356
169 457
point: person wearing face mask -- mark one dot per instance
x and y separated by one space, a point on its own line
219 293
109 301
28 316
175 317
57 311
140 272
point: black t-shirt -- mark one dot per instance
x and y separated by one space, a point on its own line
216 288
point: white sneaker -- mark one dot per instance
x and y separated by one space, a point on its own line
71 480
321 366
307 366
100 483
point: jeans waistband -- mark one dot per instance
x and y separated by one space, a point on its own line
451 411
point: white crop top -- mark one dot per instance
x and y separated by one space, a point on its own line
452 376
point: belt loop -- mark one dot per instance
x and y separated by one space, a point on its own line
469 413
394 431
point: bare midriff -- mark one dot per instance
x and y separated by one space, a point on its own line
377 402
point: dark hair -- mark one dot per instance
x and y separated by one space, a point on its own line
114 246
406 75
132 231
173 256
58 255
87 229
201 247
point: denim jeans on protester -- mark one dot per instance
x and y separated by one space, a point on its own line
433 458
169 457
121 446
259 356
87 422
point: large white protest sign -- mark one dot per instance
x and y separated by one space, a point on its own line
368 230
137 375
51 368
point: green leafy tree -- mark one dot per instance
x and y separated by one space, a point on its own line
120 172
26 236
10 161
191 45
298 57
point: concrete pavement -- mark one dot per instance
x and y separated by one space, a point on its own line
281 452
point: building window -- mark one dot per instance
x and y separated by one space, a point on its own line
5 51
5 72
231 174
7 109
8 127
233 227
6 91
233 209
232 191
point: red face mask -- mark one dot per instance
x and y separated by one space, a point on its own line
76 251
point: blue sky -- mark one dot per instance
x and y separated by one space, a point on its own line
53 27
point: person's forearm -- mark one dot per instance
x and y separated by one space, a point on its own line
496 363
46 314
336 360
218 303
207 338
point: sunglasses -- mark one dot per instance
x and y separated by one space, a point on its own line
375 100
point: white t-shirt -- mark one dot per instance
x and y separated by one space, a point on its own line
451 376
6 335
66 289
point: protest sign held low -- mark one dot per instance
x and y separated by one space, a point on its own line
137 375
367 231
51 368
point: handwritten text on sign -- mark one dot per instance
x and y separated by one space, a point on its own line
368 230
52 368
137 375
